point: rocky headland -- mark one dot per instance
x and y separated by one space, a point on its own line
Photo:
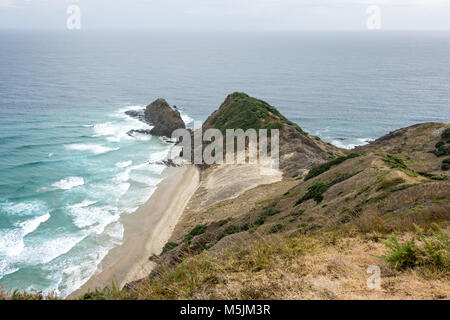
314 232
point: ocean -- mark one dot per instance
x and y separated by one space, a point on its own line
68 170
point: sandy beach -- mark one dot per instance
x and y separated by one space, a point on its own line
146 231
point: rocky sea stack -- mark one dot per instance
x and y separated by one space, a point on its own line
164 119
161 116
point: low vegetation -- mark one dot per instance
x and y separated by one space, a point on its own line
423 250
446 164
169 246
397 163
314 172
314 192
245 112
441 148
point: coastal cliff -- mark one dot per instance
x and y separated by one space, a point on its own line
315 229
313 233
314 237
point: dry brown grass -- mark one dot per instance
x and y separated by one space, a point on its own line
24 295
371 220
330 265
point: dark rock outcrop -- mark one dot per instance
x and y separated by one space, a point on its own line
164 119
141 131
138 114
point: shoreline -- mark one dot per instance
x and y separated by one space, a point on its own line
146 231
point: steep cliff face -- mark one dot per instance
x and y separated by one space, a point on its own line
164 119
299 151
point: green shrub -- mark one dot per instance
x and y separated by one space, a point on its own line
314 192
446 134
223 222
436 247
402 187
198 230
425 174
262 218
106 293
401 256
245 227
342 177
169 246
446 164
276 228
431 250
232 230
439 178
397 163
439 144
394 162
442 151
314 172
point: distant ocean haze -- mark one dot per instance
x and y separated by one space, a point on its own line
68 169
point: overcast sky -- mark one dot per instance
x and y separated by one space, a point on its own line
227 14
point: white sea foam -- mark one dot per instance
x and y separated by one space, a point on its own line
92 148
85 203
11 241
104 129
68 183
25 208
77 271
87 215
123 176
109 191
120 113
31 225
142 137
116 131
48 249
187 120
360 142
159 155
124 164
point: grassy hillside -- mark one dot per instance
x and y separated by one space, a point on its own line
242 111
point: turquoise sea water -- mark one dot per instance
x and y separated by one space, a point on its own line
68 170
